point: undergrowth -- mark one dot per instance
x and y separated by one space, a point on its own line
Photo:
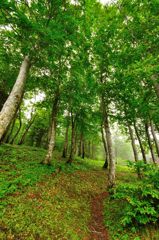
134 204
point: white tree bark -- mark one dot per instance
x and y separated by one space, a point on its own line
111 165
105 147
12 103
51 144
52 134
155 138
136 157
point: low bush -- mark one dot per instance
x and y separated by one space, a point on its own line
141 199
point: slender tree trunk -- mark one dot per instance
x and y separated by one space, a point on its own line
140 143
19 128
76 144
52 131
136 157
21 141
6 137
149 142
13 101
155 138
111 169
111 165
64 154
71 157
105 166
83 149
80 145
89 149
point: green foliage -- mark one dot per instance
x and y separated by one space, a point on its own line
142 198
132 212
140 167
141 204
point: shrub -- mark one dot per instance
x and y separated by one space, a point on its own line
141 199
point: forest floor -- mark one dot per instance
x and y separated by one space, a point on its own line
38 202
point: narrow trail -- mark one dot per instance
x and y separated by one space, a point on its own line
97 228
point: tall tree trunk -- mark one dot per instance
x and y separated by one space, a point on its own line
21 141
155 138
140 143
13 101
80 145
111 168
92 152
149 142
76 143
65 148
72 150
136 157
111 165
52 131
89 149
18 130
105 166
83 149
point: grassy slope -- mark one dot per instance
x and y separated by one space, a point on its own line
39 204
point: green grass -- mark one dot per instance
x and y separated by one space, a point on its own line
38 204
20 166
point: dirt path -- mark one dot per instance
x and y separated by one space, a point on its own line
97 228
